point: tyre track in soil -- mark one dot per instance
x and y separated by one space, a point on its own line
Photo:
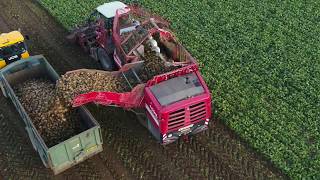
180 160
137 151
15 16
4 26
219 141
18 159
134 153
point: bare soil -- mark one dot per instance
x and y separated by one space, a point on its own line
129 150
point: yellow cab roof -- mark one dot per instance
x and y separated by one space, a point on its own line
7 39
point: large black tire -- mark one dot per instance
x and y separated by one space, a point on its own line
105 60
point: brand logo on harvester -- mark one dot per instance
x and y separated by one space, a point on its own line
13 57
152 112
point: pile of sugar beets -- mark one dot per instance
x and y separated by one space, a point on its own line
49 104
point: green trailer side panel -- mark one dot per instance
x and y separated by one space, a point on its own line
59 155
75 149
89 140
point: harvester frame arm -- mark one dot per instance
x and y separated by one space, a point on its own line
127 100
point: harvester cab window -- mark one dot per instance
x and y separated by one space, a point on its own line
14 49
177 89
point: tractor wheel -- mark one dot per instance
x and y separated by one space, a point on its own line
105 61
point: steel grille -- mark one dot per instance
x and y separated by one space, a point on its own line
176 119
197 112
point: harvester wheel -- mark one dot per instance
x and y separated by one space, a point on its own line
105 61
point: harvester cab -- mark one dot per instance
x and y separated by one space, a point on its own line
12 48
177 103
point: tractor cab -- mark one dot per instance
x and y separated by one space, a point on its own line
12 48
107 11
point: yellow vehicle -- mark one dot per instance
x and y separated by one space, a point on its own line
12 48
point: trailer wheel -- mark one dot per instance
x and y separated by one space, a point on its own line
105 61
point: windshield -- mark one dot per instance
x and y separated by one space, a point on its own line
17 48
177 89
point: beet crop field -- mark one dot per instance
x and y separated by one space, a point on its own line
261 59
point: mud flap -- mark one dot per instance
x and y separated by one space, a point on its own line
154 131
142 118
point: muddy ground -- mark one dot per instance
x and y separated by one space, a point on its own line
129 150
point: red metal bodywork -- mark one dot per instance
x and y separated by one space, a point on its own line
119 53
132 99
141 97
187 116
163 112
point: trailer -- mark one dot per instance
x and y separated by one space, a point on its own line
64 154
